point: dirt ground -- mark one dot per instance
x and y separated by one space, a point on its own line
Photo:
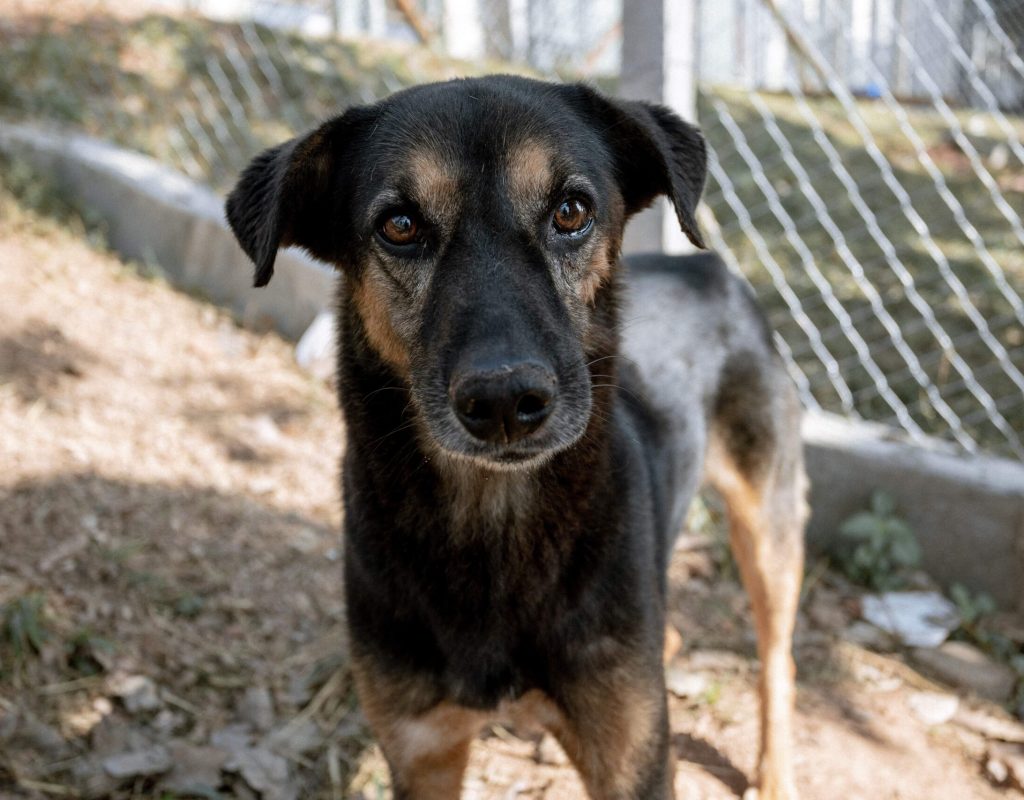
170 579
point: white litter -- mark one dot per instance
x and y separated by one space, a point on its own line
917 619
315 350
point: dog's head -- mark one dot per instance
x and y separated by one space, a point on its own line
478 223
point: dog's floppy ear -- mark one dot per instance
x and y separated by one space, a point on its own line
284 197
655 153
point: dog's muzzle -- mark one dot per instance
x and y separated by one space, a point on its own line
504 405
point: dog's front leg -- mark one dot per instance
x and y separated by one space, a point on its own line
427 750
615 731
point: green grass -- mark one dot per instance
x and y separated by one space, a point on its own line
160 84
205 96
23 630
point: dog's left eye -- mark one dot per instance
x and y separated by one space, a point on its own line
573 216
403 228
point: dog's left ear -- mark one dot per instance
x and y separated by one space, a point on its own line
285 196
655 153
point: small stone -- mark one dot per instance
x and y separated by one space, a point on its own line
716 661
137 692
196 770
304 540
964 665
867 635
264 430
826 611
233 738
167 721
91 780
115 734
989 726
878 680
1011 756
257 708
263 771
550 752
241 791
685 683
933 708
295 739
31 733
140 764
997 771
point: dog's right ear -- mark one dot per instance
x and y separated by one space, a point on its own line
284 197
655 153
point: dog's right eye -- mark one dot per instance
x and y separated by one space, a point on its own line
401 229
573 217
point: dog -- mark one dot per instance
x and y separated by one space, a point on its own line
528 417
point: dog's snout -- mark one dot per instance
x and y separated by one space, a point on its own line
505 404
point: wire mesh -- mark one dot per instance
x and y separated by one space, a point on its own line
869 186
866 171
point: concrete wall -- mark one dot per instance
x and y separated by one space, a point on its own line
968 513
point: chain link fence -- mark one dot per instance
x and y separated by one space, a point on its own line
866 175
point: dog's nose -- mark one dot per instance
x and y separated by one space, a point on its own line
504 404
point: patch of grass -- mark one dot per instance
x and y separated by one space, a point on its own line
878 548
201 95
86 652
23 630
33 199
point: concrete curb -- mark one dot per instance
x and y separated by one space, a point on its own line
155 214
968 513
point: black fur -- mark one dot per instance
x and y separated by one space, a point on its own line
476 604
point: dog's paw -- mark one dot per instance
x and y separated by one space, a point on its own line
771 792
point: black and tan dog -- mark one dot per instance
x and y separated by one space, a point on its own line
518 461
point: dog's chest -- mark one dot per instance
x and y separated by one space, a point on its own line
486 502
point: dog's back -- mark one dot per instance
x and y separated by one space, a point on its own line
693 331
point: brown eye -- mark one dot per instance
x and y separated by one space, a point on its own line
400 229
572 216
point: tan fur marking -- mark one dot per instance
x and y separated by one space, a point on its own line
373 306
484 496
433 751
766 528
435 186
598 270
531 713
427 751
529 172
673 644
609 730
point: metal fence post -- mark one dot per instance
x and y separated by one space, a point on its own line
659 65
